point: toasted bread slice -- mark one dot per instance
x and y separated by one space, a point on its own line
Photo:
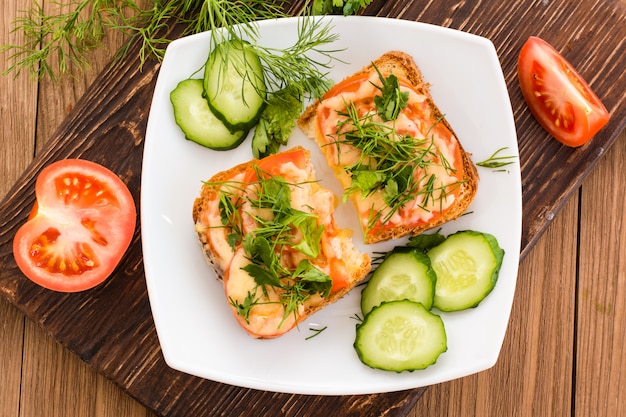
442 188
260 308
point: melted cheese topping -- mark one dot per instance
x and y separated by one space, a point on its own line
210 223
266 317
415 120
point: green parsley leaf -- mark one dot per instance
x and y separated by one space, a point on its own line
347 7
365 181
312 279
392 100
390 191
243 309
311 234
262 275
425 242
277 122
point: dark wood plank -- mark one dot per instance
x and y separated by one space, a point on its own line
108 126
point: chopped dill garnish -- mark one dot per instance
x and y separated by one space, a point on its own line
315 332
357 317
388 163
495 161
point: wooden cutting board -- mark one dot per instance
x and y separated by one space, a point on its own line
111 327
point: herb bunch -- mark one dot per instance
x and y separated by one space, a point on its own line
71 30
59 39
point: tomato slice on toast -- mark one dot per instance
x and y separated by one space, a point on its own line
558 97
81 224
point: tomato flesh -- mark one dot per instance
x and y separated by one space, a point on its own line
271 164
77 259
558 97
80 226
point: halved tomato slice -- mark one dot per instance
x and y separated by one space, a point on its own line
558 97
80 227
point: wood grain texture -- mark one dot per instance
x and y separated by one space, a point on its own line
107 125
11 348
18 110
601 305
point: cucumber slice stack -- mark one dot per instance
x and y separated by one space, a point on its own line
218 110
399 332
199 124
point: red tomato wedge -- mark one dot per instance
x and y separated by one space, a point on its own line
558 97
80 227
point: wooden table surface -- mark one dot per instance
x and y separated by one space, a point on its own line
564 350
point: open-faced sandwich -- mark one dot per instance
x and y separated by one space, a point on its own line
267 228
392 150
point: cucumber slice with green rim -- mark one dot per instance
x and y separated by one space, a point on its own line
234 84
402 275
198 123
400 336
467 264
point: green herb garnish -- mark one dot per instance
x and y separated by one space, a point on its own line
424 242
392 100
277 121
345 7
279 230
315 332
495 161
59 38
388 162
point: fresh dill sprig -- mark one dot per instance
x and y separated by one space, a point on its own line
304 65
68 32
57 40
357 317
65 35
495 161
315 331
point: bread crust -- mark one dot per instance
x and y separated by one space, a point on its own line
402 65
359 264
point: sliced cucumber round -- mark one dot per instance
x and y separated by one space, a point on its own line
197 121
234 84
400 336
402 275
467 265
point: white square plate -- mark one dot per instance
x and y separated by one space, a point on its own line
196 329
